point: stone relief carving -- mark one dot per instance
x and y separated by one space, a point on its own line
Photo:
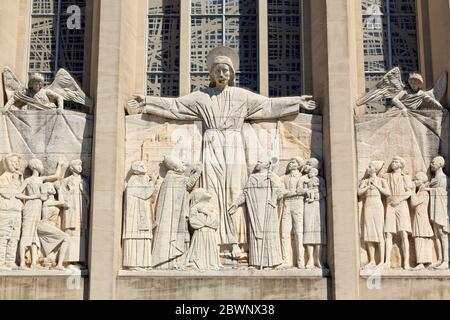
236 128
44 216
410 97
38 97
31 217
401 206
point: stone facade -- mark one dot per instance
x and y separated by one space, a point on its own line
111 176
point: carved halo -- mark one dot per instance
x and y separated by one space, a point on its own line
223 52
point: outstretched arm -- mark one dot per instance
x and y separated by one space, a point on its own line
183 108
261 107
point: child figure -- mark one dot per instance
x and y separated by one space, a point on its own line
311 186
204 219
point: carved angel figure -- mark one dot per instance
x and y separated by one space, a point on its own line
409 96
38 97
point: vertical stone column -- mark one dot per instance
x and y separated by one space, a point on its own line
263 52
335 86
14 35
116 30
439 13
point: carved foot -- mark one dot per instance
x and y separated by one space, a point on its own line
60 268
442 266
310 266
420 267
407 267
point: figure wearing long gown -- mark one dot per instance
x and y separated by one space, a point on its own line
138 222
171 238
75 217
223 113
421 226
261 194
204 219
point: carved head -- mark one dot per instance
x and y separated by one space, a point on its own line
36 164
36 82
174 164
262 165
295 164
222 64
76 166
420 179
375 167
415 81
437 163
11 162
313 172
139 168
311 163
398 163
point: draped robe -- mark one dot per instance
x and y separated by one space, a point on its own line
223 113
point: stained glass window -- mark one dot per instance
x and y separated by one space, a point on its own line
57 37
231 23
390 38
163 51
285 47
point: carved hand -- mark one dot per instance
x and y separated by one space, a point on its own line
307 103
232 210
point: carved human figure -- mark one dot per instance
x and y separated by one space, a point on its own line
314 229
261 195
204 220
33 209
138 219
422 232
10 210
412 97
36 96
223 109
371 189
293 211
52 238
311 186
398 220
439 211
75 217
171 238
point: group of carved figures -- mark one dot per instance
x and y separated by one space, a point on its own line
395 204
42 214
184 231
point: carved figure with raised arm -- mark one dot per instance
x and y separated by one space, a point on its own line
30 192
37 96
407 97
223 109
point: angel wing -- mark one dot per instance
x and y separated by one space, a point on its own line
439 90
387 88
11 83
67 87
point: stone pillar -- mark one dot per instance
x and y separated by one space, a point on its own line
336 87
439 11
115 70
14 32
